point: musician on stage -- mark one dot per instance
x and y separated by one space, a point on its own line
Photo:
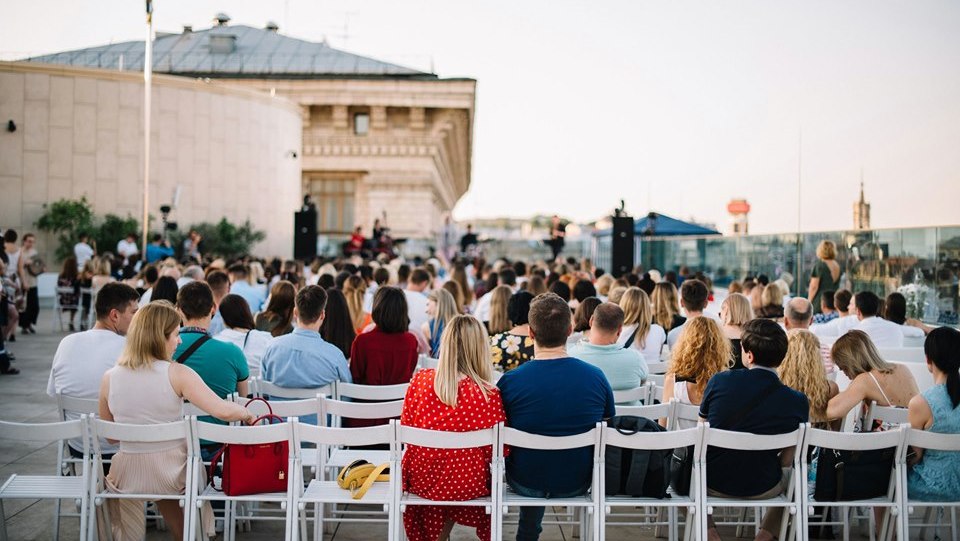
557 233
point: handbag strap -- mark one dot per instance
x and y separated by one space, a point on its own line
368 482
740 414
182 358
260 399
214 461
245 338
633 335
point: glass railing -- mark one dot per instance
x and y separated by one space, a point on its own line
922 263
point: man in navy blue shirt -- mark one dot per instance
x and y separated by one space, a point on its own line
552 395
753 401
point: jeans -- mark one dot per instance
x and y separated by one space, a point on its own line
28 318
529 526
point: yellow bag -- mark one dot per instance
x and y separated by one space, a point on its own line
359 476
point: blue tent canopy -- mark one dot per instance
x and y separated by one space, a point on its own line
666 226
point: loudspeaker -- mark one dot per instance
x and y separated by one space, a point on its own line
305 234
621 248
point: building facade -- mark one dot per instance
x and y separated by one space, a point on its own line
378 139
861 212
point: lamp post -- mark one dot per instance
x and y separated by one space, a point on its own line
147 78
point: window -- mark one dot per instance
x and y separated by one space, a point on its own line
335 201
361 123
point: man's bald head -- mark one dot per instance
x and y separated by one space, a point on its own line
798 314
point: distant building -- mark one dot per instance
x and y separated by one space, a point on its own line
739 211
373 137
861 212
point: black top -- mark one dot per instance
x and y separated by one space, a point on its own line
467 240
737 353
770 311
779 412
677 321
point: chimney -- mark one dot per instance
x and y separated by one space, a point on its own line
221 19
187 29
272 26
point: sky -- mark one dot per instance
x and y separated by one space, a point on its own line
675 107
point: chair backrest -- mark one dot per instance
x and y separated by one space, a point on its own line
525 440
631 395
267 389
925 439
370 392
282 408
904 354
133 433
355 437
745 441
656 379
425 361
920 373
652 412
73 404
655 440
47 432
657 368
683 412
445 440
656 392
853 441
359 410
889 414
241 434
192 409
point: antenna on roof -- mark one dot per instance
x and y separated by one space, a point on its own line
272 26
221 19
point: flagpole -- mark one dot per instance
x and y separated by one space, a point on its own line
147 79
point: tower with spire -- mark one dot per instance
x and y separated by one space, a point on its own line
861 210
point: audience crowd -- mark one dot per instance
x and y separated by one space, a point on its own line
515 341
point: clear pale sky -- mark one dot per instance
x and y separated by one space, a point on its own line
674 106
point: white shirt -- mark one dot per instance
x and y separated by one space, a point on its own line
835 327
145 298
256 344
78 367
416 309
674 335
127 249
83 252
656 337
483 305
368 297
883 333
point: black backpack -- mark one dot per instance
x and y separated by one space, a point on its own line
633 472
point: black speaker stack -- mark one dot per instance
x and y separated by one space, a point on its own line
622 246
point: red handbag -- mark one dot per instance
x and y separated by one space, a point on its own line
255 468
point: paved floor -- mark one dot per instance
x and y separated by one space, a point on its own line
25 400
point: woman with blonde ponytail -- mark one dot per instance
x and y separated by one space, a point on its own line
458 396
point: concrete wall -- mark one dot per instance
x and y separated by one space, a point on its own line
80 132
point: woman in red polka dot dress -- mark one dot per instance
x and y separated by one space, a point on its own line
456 397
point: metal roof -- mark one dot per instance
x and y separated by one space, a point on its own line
247 52
664 226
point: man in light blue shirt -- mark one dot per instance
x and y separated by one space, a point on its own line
302 359
255 295
625 368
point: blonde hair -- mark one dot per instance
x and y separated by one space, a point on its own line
738 310
637 311
446 306
616 294
353 289
102 266
802 370
701 352
665 304
464 350
855 354
148 333
827 250
499 320
771 295
604 283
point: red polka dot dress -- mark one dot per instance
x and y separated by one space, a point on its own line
447 474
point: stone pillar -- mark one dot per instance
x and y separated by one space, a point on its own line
305 115
341 119
417 118
378 118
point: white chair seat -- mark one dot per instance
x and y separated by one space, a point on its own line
211 493
776 501
330 492
512 498
408 498
43 486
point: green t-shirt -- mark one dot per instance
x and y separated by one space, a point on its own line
221 365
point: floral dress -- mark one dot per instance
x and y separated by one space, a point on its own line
447 474
509 351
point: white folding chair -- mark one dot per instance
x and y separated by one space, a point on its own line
928 441
656 379
891 415
51 487
266 389
653 412
320 492
789 500
632 396
338 409
656 441
657 368
407 435
587 506
69 409
245 435
913 355
684 415
355 391
425 361
59 308
130 433
829 441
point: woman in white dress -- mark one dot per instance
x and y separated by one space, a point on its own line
145 387
701 351
240 330
639 331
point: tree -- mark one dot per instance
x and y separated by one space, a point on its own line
113 229
223 239
67 219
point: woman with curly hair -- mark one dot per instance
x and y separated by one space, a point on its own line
701 351
802 370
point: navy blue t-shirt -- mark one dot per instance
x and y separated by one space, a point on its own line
556 397
749 473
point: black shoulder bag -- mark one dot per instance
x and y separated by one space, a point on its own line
636 472
853 475
630 340
681 464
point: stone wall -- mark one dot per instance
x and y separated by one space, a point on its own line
80 133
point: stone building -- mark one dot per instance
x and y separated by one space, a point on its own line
377 138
